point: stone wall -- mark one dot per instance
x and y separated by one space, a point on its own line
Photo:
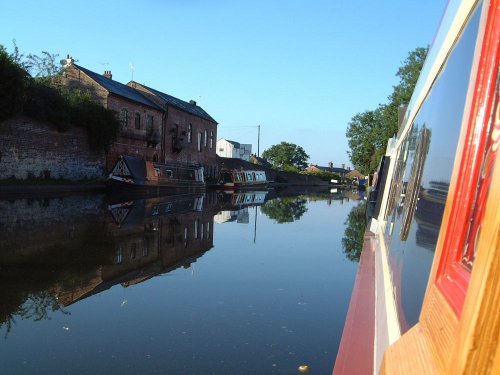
29 148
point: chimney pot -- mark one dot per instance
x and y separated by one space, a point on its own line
107 74
192 102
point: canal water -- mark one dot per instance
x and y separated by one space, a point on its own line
252 283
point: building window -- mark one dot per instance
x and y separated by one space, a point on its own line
124 118
137 120
205 139
211 139
196 223
190 133
150 122
200 136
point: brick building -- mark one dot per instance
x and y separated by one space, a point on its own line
141 119
154 125
190 132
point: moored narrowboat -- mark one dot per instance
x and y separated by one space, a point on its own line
133 175
427 293
232 179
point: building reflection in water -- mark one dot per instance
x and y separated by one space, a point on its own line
55 252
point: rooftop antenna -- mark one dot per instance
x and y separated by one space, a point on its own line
132 68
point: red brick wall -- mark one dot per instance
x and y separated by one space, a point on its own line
31 148
132 141
189 150
176 128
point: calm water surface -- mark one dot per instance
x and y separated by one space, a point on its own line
200 284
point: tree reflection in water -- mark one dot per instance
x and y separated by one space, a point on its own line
285 210
29 288
352 242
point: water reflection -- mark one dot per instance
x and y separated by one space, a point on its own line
58 255
352 242
285 210
234 206
67 243
78 247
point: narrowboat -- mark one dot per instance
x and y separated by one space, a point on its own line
232 179
134 175
426 298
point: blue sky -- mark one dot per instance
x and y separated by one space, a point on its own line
299 69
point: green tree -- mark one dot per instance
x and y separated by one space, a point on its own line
284 210
286 156
14 81
369 131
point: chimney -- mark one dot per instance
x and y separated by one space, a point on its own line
69 61
107 74
343 166
330 164
192 102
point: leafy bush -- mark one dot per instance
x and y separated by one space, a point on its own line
13 83
101 124
41 99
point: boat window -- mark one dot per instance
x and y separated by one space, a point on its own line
196 223
185 236
421 177
202 231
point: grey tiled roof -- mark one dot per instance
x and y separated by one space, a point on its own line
118 88
181 104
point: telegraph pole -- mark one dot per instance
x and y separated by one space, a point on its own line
258 141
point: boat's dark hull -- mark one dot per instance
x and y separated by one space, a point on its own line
245 186
155 189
